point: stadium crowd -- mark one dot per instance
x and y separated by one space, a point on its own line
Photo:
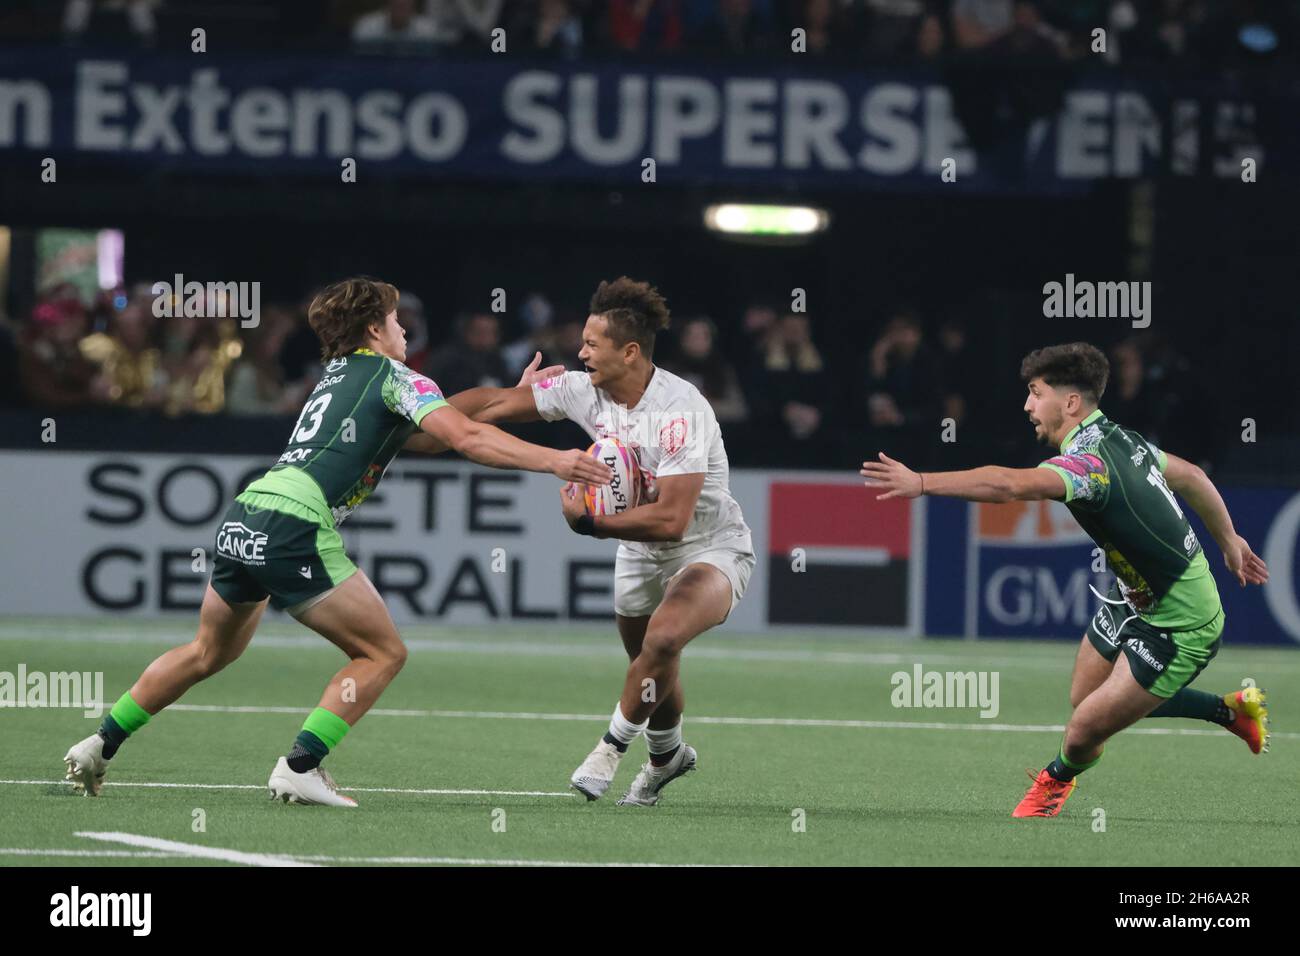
1201 31
766 371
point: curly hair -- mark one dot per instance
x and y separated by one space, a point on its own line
1076 365
635 312
340 313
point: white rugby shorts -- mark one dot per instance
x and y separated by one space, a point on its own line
640 581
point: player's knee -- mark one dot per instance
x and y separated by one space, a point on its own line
664 642
394 657
208 658
1082 734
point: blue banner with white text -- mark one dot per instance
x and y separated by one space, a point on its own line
508 118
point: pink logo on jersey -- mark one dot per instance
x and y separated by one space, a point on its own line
672 437
547 382
424 386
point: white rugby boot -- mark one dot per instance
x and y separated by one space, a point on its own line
86 766
595 775
645 789
315 787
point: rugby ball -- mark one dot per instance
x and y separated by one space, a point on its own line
624 488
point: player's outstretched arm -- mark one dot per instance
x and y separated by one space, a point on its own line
664 519
506 404
1194 485
488 405
990 483
489 445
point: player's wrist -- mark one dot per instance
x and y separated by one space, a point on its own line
921 475
584 524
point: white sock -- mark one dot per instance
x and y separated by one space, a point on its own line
664 741
622 729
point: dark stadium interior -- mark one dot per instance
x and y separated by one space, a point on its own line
968 265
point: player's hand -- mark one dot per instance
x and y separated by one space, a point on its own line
577 465
1248 567
571 503
532 375
897 479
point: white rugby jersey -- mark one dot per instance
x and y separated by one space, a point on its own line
673 431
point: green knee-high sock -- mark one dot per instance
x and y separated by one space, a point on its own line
321 732
1197 704
121 722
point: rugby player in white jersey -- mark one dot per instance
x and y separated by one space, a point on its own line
685 554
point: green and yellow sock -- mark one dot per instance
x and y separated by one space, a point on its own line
121 722
321 732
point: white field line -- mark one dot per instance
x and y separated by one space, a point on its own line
925 652
189 850
192 849
92 854
258 786
534 648
725 721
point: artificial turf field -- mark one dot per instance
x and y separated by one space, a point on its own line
484 728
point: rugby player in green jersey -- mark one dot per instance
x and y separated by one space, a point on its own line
1161 624
279 540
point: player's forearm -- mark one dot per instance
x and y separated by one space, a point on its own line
990 483
480 404
651 522
1200 493
491 446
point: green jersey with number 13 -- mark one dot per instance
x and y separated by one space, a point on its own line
357 418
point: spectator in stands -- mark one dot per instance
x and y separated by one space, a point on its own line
196 376
733 28
547 26
300 361
130 369
1133 397
700 363
568 341
956 371
893 27
825 30
795 388
256 382
464 22
535 314
473 359
977 23
931 38
410 316
398 25
900 376
52 371
135 17
645 26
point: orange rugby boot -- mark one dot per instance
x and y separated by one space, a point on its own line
1045 797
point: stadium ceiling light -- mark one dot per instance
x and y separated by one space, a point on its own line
748 219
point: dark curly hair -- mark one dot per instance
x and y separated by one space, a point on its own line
635 312
1076 365
341 312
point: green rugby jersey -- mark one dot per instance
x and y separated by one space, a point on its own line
1115 488
355 421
